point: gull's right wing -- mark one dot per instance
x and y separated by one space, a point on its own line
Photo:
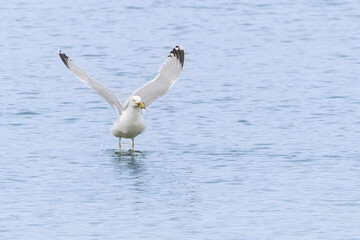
99 89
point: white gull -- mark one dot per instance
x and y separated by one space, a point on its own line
130 122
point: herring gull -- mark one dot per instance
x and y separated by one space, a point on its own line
130 122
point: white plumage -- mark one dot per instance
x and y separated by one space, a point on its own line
130 122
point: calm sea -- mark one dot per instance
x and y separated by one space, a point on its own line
259 138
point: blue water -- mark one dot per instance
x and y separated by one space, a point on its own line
259 138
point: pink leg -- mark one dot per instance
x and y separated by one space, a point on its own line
133 145
120 144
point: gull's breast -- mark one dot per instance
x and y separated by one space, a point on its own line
128 126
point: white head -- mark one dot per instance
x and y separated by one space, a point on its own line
135 101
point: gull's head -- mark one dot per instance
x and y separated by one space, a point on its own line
135 101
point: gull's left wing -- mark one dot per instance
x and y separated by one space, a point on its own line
168 74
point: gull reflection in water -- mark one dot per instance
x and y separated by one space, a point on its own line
129 160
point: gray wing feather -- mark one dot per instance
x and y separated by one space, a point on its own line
99 89
168 74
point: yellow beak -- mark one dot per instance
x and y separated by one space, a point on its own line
141 105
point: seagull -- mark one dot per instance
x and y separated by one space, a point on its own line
130 121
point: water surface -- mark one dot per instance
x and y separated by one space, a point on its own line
257 140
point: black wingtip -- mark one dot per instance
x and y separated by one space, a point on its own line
179 54
64 58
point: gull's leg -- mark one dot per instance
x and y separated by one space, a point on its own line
120 144
133 144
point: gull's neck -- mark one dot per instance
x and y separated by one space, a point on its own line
132 112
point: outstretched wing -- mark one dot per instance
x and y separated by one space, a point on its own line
92 83
168 74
